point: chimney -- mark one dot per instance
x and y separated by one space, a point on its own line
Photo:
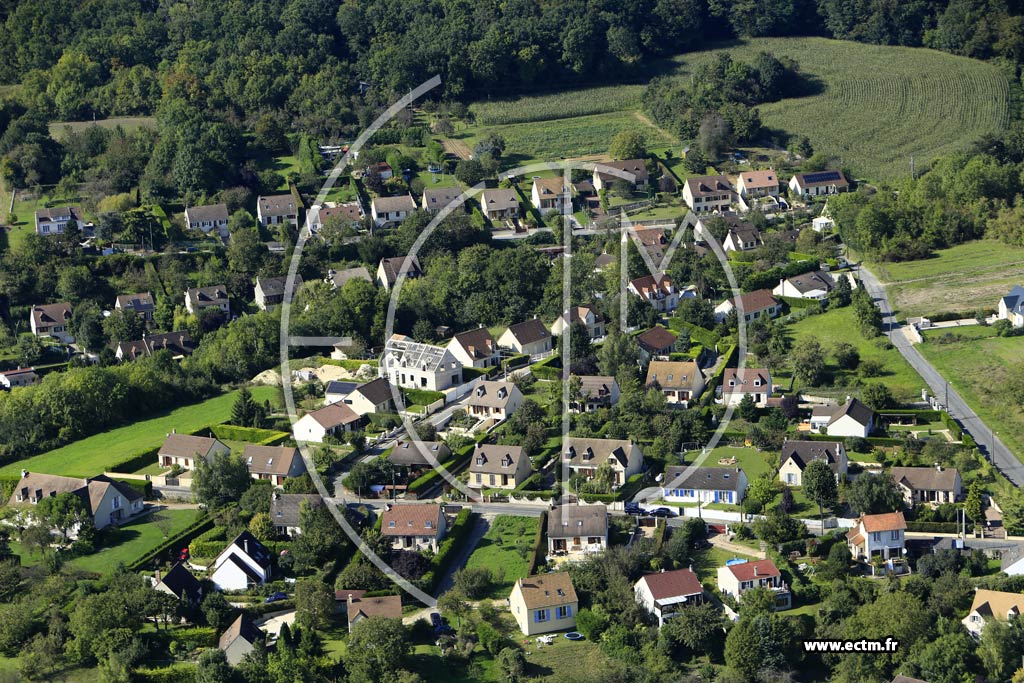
156 576
755 570
245 546
938 467
24 473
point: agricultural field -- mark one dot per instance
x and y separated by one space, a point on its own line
561 105
963 278
58 129
102 452
505 550
985 381
874 101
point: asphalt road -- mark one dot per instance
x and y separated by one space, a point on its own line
988 442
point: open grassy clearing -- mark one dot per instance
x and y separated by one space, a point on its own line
90 456
133 540
558 105
505 550
58 129
978 369
875 101
750 460
963 278
839 325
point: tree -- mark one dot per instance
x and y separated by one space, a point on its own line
123 326
217 611
747 408
840 295
314 603
838 562
713 135
999 648
454 603
213 667
787 502
221 478
246 412
628 144
877 396
698 629
473 582
262 527
29 350
973 505
512 663
61 512
874 494
762 491
820 486
846 355
377 650
808 362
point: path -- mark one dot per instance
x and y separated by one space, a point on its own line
727 545
483 523
272 623
457 148
988 443
647 122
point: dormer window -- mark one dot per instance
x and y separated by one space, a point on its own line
391 524
732 383
409 523
506 461
428 524
480 460
589 455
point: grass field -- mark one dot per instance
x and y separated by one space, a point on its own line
962 278
131 541
558 105
90 456
876 101
58 129
752 461
980 379
839 325
504 550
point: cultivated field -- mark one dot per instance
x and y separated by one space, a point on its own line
59 129
102 452
878 106
962 278
561 105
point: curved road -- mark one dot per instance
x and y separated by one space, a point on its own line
988 443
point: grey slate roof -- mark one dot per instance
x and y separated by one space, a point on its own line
376 391
578 520
358 273
704 478
180 581
803 452
496 459
855 409
925 478
811 281
1015 300
594 452
285 508
211 212
140 303
411 454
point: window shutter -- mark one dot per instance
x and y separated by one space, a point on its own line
568 610
547 614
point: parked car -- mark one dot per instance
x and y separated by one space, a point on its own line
633 509
661 512
440 625
276 597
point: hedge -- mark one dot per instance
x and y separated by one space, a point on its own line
263 437
539 547
921 414
421 397
531 480
197 527
135 461
262 608
795 302
933 527
202 636
453 464
516 361
176 673
469 374
550 368
453 540
143 486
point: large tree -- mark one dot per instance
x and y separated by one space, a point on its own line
219 479
377 650
819 483
873 494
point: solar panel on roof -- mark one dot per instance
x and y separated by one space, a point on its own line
821 176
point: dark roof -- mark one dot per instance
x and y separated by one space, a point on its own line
50 314
376 391
704 478
811 281
277 205
656 339
855 409
187 446
822 178
594 452
246 569
637 167
274 286
342 388
803 452
59 212
666 585
907 679
243 627
578 520
410 453
210 212
207 296
250 545
496 459
285 507
926 478
140 303
701 186
358 273
529 331
334 415
179 580
393 266
179 343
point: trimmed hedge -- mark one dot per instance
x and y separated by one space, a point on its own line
933 527
421 397
452 465
143 486
550 368
135 461
453 540
263 437
516 361
261 608
186 534
202 636
176 673
539 546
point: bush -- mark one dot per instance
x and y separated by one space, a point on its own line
439 564
176 673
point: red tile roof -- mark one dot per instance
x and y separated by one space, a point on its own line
889 521
673 584
760 569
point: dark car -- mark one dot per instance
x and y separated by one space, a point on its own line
661 512
633 509
276 597
440 626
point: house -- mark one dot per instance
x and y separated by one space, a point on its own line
270 291
383 169
818 183
990 606
374 396
751 184
391 210
500 204
178 344
635 167
336 391
814 285
142 304
544 603
704 194
584 457
412 456
277 209
286 511
389 269
900 678
275 463
51 320
494 399
498 467
203 298
57 220
245 562
651 240
823 224
586 316
347 215
213 217
577 528
338 278
361 607
756 304
529 337
853 418
331 420
796 455
240 639
754 381
436 199
685 484
1011 307
414 526
550 195
179 583
742 239
659 292
106 501
680 381
927 484
475 348
656 343
413 365
737 577
184 450
22 377
875 535
664 594
596 391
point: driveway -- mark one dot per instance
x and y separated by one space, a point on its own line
988 443
272 624
465 550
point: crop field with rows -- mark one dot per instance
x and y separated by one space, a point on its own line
558 105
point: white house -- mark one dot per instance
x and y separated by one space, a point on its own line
724 485
814 285
585 315
936 484
635 167
413 365
544 603
332 420
21 377
738 577
853 418
202 298
530 337
596 391
435 199
745 238
142 304
498 467
500 204
245 562
391 210
389 270
185 450
988 606
55 221
213 217
823 224
818 183
704 194
754 381
413 526
348 214
475 348
51 320
274 463
876 535
106 501
757 304
277 209
374 396
269 291
549 195
796 455
585 456
1011 307
680 381
663 595
659 292
578 528
750 184
495 400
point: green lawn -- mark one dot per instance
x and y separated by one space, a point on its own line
982 381
131 541
706 563
505 550
58 129
101 452
839 325
752 461
963 278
